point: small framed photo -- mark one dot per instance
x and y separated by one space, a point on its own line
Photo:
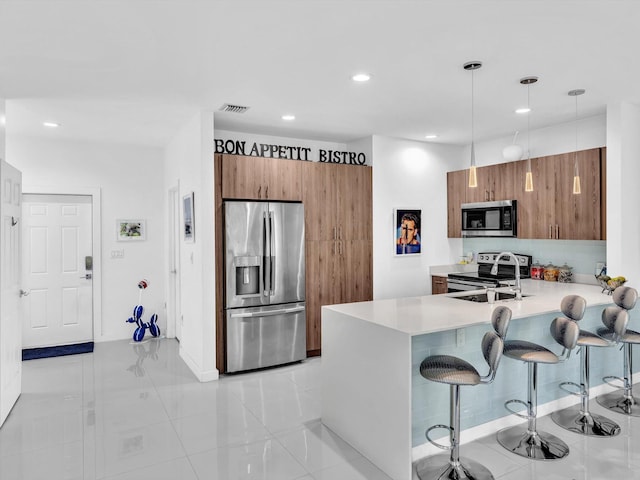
131 230
407 234
188 218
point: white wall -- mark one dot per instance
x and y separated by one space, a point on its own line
623 194
130 181
592 133
189 163
3 129
409 174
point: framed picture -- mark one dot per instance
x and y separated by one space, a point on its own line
131 230
407 231
187 215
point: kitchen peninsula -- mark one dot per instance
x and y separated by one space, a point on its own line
374 397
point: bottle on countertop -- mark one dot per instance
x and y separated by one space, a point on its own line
551 272
537 271
565 274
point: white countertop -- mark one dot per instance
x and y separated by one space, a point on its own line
434 313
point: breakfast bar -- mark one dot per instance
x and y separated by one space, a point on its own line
374 397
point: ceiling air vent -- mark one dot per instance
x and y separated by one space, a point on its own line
227 107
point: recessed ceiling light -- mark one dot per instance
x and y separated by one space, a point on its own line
288 118
523 110
51 124
430 137
361 77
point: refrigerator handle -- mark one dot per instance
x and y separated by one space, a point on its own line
272 265
266 254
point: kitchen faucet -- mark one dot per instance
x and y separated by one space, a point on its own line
494 271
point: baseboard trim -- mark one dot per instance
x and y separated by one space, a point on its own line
57 351
202 376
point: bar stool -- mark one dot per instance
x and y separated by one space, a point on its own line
456 372
579 419
528 441
622 400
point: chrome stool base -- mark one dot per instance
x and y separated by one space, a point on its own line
440 467
534 445
618 402
590 424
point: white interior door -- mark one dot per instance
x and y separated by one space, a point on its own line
57 270
10 311
173 302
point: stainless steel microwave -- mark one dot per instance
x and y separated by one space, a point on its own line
490 219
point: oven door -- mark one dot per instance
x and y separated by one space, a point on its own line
457 285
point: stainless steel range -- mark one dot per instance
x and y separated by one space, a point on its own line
460 282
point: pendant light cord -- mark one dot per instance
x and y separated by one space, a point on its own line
473 157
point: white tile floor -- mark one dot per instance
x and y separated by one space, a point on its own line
135 411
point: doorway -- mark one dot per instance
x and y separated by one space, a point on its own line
10 291
57 268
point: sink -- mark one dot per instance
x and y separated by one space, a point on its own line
482 297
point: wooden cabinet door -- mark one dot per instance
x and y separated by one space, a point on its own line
354 203
242 177
282 180
456 196
355 261
320 201
438 285
322 286
578 215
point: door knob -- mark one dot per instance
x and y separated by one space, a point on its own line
24 293
87 276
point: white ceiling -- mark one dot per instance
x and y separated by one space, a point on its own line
134 71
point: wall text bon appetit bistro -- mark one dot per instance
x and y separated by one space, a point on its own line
238 147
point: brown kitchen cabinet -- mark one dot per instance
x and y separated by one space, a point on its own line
258 178
551 211
438 284
456 196
339 248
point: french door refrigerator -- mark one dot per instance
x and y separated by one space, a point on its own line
265 284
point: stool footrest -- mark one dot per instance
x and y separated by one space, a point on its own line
517 414
564 385
609 381
433 442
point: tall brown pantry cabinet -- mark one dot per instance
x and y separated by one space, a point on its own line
338 229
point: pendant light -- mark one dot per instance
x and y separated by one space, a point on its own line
473 178
576 173
528 180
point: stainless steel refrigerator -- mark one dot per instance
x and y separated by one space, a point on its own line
265 284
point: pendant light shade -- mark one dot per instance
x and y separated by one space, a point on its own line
473 178
528 181
576 172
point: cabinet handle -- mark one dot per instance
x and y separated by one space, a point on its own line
550 231
557 231
335 233
340 248
493 195
266 193
334 248
486 195
259 191
340 232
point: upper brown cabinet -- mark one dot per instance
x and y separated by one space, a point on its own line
456 196
551 210
258 178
